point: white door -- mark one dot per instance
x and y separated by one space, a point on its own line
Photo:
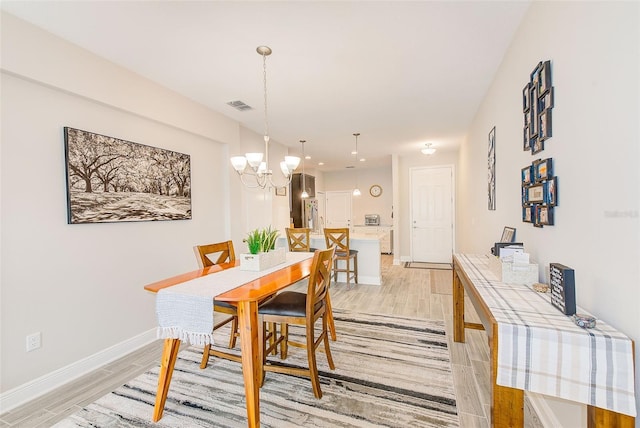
322 212
431 214
338 209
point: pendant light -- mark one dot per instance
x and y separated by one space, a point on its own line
304 194
356 191
251 164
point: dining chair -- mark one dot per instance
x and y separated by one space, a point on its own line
222 252
339 237
303 309
298 239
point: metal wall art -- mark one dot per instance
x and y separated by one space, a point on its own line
113 180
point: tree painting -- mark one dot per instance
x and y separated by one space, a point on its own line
111 180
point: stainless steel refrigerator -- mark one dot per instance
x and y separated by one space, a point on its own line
310 214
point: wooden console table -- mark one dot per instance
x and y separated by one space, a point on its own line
535 347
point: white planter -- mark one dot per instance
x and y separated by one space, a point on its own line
262 261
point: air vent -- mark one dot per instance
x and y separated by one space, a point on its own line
350 166
239 105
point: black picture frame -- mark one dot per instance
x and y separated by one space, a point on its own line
113 180
545 127
508 234
544 77
537 102
528 214
537 145
526 140
491 170
539 193
534 77
551 192
526 99
533 111
546 101
542 169
544 215
535 193
526 175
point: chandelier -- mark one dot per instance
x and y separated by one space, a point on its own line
252 164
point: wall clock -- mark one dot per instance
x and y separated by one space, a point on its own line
375 190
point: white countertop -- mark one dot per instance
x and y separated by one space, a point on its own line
353 236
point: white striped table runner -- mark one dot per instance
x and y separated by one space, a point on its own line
541 350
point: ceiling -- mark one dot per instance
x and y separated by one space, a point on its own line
400 73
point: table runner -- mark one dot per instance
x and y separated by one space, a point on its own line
185 311
541 350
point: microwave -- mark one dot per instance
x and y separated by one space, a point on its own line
372 219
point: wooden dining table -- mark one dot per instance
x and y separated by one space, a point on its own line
245 297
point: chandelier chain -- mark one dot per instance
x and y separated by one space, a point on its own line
264 80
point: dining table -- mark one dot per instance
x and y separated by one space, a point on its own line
244 294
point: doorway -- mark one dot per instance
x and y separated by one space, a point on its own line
431 191
338 209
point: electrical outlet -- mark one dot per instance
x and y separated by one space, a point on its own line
34 341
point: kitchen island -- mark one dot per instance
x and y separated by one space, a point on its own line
368 246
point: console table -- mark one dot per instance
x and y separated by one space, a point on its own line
535 347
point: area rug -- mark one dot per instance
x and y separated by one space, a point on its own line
427 265
390 372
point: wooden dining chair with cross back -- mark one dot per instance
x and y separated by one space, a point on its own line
298 239
303 309
339 237
222 252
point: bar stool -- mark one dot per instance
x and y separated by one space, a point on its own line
339 237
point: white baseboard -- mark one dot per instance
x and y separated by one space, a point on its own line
40 386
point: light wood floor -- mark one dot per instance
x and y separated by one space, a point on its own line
418 293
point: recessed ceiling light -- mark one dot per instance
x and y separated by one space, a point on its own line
320 163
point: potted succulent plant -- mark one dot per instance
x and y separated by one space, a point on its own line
262 252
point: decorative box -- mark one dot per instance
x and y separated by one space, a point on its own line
562 280
511 273
262 261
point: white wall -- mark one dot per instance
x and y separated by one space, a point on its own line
594 50
365 203
82 285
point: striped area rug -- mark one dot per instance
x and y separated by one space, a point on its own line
390 372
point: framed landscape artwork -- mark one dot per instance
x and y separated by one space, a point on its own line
114 180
